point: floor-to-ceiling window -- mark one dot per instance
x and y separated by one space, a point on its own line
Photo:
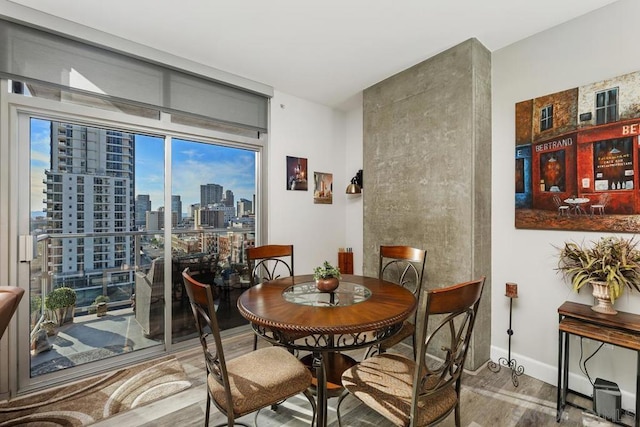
82 216
213 190
119 204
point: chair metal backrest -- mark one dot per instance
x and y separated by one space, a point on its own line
201 300
557 201
269 262
403 265
604 200
445 332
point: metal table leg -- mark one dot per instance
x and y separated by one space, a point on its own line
637 418
559 383
319 361
565 368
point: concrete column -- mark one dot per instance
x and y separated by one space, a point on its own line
427 171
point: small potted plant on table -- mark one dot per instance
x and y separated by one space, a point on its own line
327 277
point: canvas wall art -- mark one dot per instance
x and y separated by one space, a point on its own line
296 173
577 158
323 188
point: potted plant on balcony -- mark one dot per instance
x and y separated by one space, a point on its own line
609 265
50 327
62 302
35 309
327 277
101 305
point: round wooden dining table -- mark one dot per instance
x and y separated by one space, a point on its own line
291 312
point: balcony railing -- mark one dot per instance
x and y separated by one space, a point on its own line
52 267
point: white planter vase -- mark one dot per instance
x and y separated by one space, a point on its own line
603 299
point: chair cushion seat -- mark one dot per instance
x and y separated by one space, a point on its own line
259 378
385 384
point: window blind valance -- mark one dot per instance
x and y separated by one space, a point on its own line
31 54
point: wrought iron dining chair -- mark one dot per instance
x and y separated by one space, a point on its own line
603 201
403 265
563 210
249 382
268 262
425 390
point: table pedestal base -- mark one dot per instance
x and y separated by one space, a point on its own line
328 366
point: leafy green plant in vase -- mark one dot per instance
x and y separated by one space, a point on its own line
62 302
610 265
327 277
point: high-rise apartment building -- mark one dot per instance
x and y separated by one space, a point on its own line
192 209
245 207
143 205
228 198
211 215
176 210
210 194
90 189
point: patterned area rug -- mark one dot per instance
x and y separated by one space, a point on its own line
85 402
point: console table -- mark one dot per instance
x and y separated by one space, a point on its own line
622 330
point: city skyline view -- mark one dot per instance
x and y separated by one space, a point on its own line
193 164
95 194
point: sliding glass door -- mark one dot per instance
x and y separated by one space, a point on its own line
115 214
92 260
213 190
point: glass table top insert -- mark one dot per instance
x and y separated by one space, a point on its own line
307 294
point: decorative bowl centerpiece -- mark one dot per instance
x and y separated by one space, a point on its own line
327 277
609 265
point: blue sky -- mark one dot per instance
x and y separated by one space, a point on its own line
193 164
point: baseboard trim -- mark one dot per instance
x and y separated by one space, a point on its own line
549 374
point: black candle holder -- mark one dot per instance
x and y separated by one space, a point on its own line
510 363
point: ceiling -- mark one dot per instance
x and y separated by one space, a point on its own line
324 51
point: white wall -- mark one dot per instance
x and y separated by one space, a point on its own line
354 214
594 47
302 128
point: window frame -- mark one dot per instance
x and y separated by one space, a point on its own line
12 107
546 118
606 107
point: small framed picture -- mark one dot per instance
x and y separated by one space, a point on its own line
296 173
323 188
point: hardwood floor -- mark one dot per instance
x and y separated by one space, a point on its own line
488 399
